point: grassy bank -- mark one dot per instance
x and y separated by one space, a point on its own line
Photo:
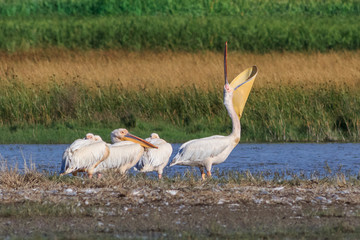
56 96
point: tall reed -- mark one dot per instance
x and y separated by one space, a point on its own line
284 113
169 70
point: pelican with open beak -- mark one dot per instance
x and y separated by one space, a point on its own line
125 151
209 151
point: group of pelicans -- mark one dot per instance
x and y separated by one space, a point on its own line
92 155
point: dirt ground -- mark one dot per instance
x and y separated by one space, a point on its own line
211 211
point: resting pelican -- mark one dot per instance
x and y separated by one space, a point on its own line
205 152
84 155
155 159
125 151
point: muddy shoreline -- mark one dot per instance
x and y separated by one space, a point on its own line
207 210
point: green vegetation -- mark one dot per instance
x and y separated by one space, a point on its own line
24 8
183 25
256 34
60 112
272 114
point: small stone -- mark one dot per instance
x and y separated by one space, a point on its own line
70 192
278 188
172 192
264 192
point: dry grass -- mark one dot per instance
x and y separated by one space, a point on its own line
168 70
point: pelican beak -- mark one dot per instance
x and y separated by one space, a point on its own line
225 64
135 139
242 85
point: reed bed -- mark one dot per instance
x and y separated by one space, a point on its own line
272 114
296 97
169 70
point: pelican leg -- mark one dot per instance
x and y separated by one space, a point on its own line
202 170
160 172
208 170
90 175
99 175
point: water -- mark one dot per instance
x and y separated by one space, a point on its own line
305 158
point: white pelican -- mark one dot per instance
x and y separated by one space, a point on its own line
125 151
155 159
84 155
205 152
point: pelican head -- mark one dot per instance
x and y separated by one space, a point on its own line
97 138
154 135
90 136
122 134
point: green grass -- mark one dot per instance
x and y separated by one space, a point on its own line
255 26
180 33
188 7
60 113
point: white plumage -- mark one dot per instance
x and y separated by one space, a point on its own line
155 159
83 155
205 152
209 151
125 151
123 156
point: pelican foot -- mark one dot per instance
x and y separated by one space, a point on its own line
203 176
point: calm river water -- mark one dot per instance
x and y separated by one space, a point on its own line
299 158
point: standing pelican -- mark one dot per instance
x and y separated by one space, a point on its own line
205 152
125 151
155 159
84 155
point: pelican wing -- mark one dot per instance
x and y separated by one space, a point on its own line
153 157
200 149
68 153
80 143
243 82
121 154
84 157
